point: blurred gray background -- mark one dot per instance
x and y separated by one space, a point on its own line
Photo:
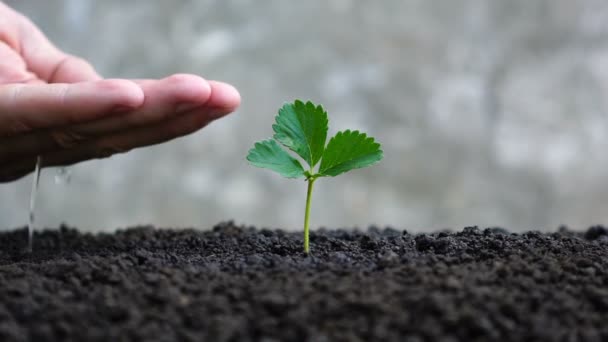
491 113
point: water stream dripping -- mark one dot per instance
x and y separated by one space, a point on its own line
33 194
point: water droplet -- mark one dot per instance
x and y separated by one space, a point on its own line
63 176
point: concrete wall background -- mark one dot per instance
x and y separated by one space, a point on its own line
490 112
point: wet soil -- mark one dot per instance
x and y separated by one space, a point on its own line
243 284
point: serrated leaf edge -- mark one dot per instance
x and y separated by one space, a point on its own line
365 137
314 107
271 141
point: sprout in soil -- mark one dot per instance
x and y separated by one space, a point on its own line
302 128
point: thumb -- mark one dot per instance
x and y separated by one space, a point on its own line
46 60
71 69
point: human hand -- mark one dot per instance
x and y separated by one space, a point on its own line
56 106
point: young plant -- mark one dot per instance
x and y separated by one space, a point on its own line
302 128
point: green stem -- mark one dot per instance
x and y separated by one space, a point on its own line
311 181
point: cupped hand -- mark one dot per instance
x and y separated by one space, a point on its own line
56 106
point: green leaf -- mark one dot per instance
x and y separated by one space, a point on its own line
269 155
302 127
349 150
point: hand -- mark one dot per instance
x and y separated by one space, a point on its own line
55 105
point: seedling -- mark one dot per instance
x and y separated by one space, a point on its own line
302 128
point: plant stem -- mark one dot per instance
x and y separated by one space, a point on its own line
311 182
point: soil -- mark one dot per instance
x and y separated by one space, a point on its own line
239 283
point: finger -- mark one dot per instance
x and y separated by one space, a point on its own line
223 99
46 60
164 99
113 144
143 136
71 69
25 108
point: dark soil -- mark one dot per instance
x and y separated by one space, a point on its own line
242 284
